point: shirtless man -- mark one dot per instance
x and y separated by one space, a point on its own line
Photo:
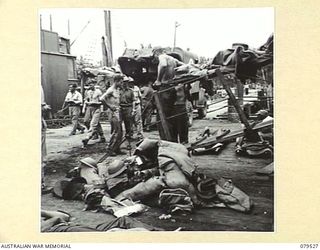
166 66
112 99
171 104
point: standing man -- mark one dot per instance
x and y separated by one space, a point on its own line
147 105
74 100
137 118
166 72
87 114
93 111
180 130
127 106
112 99
166 66
44 107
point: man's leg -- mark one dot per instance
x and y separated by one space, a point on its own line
116 136
126 120
175 131
182 124
93 126
68 228
88 117
44 189
96 126
184 131
100 133
138 122
80 127
109 114
148 117
74 120
43 154
126 117
113 135
126 222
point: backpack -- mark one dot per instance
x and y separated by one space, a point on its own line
175 200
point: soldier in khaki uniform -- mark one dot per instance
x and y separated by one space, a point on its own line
74 100
93 111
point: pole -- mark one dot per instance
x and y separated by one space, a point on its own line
69 27
50 22
40 22
105 61
175 35
176 25
107 19
82 81
80 33
234 101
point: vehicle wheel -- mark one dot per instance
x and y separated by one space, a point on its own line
202 112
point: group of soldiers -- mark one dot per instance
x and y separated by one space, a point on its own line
128 104
124 102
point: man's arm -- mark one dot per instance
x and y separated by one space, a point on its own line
162 67
178 63
66 101
139 95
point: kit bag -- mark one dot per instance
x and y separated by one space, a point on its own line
175 200
232 196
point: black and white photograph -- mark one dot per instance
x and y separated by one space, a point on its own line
157 120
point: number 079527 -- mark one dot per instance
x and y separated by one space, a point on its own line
309 246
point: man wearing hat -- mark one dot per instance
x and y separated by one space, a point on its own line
112 99
70 189
93 110
117 178
127 106
74 100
